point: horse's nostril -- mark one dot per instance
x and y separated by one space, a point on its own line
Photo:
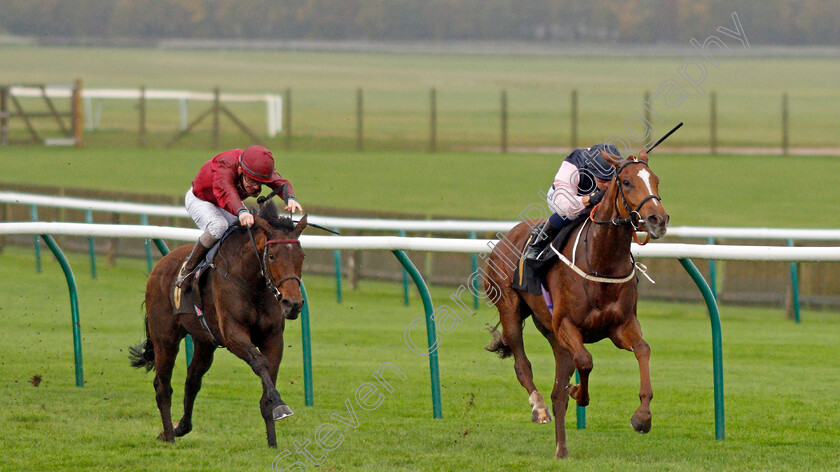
654 220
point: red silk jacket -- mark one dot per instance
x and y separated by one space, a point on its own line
216 182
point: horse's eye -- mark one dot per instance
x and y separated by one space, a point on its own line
626 182
271 257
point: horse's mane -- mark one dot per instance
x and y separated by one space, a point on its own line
268 211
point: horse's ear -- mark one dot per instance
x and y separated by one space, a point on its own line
611 160
261 236
643 155
301 225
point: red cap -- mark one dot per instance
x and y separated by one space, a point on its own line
257 163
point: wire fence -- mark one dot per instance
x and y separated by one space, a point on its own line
439 119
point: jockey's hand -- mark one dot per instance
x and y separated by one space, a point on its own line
293 206
595 197
246 219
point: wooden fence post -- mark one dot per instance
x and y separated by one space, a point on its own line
287 118
142 112
574 139
433 120
77 112
504 121
360 145
4 116
217 109
713 122
785 136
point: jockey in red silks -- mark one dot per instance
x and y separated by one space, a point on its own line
214 201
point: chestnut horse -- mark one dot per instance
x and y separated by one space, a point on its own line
246 299
594 294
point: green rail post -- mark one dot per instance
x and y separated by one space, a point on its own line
474 258
717 354
91 247
74 307
794 283
431 335
306 340
581 410
188 342
144 220
406 299
337 259
712 271
33 211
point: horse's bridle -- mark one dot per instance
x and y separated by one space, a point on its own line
630 213
273 287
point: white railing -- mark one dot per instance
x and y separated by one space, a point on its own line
382 224
273 103
470 246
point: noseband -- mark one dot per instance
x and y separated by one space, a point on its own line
630 218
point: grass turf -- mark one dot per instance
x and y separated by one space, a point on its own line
698 190
780 389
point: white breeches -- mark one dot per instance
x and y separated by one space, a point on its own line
207 216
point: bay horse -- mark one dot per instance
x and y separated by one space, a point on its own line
589 304
246 298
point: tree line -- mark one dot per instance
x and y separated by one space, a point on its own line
793 22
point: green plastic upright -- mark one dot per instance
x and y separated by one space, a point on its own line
431 334
717 344
74 307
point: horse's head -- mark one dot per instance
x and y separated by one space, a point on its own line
282 257
637 188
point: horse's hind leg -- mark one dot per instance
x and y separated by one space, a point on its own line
511 316
165 353
629 336
201 361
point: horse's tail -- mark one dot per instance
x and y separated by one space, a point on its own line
497 344
143 354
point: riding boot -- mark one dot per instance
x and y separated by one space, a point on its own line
541 236
187 268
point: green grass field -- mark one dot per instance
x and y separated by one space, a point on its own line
723 190
780 389
397 87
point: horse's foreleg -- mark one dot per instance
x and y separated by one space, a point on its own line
201 361
272 349
564 367
569 337
272 406
629 336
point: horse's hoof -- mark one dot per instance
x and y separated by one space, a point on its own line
162 437
540 416
181 429
641 426
281 412
562 453
574 392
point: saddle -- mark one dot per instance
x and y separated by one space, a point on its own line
187 298
529 273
